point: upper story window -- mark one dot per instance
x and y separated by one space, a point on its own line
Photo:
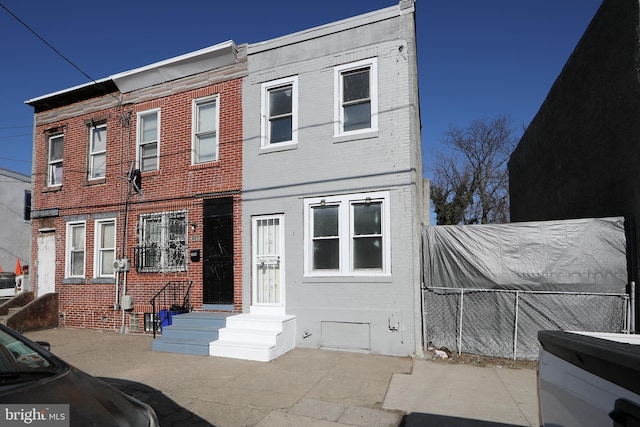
97 151
279 112
105 247
356 89
348 235
148 147
75 252
27 206
162 244
56 148
205 130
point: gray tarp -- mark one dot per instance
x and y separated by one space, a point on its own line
582 255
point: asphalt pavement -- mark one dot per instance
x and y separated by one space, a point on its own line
304 387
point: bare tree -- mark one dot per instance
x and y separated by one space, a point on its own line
470 184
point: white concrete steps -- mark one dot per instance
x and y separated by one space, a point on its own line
258 337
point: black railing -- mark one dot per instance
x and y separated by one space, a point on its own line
173 298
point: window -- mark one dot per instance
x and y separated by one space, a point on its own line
280 112
162 242
347 235
55 160
27 206
105 245
97 151
356 89
148 151
205 130
75 249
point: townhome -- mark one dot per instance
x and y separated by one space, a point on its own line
137 181
277 184
332 201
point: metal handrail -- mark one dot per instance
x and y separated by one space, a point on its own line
174 296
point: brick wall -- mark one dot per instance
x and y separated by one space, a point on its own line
177 185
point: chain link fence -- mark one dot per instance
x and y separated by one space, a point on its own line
505 323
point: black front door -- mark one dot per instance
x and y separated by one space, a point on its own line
217 251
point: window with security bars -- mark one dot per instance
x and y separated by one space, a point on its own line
162 242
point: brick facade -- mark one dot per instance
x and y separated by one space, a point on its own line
177 185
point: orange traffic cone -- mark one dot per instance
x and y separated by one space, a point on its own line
18 268
0 269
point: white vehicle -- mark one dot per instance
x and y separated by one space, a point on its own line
7 285
589 379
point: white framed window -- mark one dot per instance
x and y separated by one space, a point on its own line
148 140
105 247
348 235
75 249
162 242
356 93
279 112
97 151
205 125
55 154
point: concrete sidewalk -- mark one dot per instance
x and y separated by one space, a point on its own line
301 388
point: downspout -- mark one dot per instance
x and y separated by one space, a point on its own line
125 121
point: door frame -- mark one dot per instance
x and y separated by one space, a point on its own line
266 308
46 268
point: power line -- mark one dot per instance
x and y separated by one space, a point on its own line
53 48
15 160
15 136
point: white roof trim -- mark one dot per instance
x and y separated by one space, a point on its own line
180 66
71 89
333 27
188 64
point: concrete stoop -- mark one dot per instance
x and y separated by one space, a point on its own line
257 337
190 333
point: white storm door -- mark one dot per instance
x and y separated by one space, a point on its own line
268 262
46 271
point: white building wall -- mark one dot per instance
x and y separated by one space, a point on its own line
15 232
352 313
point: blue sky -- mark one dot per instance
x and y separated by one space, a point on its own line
476 58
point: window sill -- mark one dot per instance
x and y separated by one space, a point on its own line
150 173
355 136
206 165
382 278
74 281
103 281
278 148
92 182
148 270
52 189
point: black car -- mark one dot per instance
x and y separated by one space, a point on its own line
37 386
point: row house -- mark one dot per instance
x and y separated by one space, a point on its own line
282 180
146 167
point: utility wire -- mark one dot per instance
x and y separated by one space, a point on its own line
52 47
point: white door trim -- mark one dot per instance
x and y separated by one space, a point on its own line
268 263
46 269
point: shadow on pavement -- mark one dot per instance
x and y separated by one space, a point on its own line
431 420
169 412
